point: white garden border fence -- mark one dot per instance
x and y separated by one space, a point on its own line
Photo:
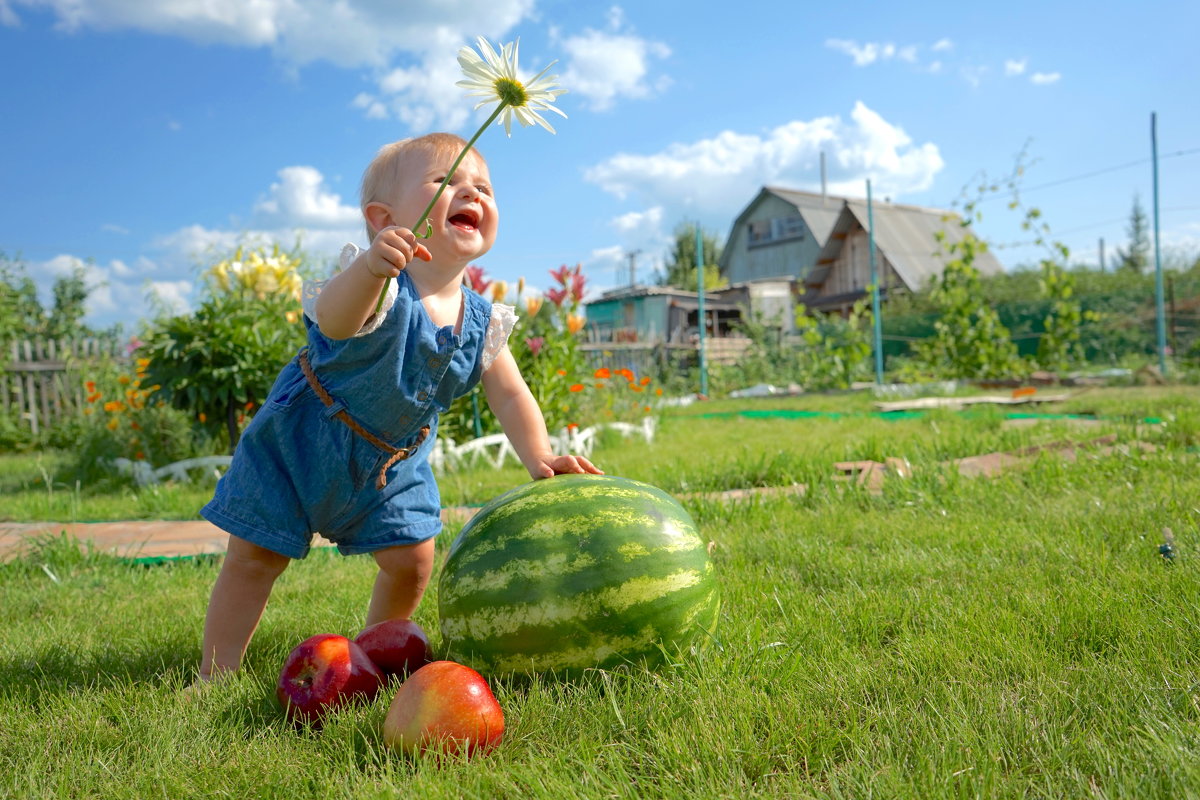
494 449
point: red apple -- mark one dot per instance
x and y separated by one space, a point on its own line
323 672
444 706
397 646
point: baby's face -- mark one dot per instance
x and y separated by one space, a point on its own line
464 221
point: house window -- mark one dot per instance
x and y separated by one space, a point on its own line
779 229
760 232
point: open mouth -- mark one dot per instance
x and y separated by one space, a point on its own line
465 220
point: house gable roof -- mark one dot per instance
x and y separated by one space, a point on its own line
905 235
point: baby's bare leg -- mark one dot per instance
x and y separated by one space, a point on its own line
403 575
238 599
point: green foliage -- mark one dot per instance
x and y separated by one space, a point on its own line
21 313
827 352
968 341
219 362
124 418
680 263
836 350
546 345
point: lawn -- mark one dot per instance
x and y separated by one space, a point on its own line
1013 636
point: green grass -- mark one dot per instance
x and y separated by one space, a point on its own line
1012 637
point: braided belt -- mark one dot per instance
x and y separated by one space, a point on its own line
398 454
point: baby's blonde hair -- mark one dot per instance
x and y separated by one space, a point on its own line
385 169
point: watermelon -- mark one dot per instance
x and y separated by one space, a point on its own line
573 572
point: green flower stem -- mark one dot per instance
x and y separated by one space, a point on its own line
445 181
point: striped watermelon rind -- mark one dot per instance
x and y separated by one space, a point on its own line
573 572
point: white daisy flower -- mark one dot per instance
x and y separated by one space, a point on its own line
494 78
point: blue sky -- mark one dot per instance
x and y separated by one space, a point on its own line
147 138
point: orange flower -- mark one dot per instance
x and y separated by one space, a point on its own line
292 317
626 374
562 372
604 372
90 386
633 387
645 380
114 405
91 398
646 409
572 426
143 363
202 417
576 387
123 380
658 392
249 404
575 323
533 305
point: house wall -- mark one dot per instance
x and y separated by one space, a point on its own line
851 271
646 315
791 257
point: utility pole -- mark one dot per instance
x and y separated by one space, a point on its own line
700 309
632 256
1102 254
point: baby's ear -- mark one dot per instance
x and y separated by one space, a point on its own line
379 216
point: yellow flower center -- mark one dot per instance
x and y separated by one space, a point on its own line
511 92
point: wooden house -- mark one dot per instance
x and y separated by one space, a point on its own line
820 243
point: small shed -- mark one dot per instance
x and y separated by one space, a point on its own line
658 314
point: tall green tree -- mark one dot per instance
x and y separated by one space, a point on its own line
1136 255
70 293
20 312
680 264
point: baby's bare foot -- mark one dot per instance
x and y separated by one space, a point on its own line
203 681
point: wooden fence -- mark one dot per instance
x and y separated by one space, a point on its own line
42 380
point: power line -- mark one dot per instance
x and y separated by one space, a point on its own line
1102 171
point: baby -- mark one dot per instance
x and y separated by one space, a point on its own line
341 444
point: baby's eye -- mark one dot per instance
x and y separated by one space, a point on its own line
484 189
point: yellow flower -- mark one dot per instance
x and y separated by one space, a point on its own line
533 305
494 78
499 290
575 323
292 316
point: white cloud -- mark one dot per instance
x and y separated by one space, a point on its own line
863 54
1014 67
1044 78
7 18
716 176
300 199
410 47
109 227
941 45
349 33
605 65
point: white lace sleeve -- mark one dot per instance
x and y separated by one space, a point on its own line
499 327
312 289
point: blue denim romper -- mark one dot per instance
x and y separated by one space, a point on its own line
298 470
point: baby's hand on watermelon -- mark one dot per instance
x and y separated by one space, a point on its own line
565 465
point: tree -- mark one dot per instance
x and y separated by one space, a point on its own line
20 312
1136 255
66 318
680 267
